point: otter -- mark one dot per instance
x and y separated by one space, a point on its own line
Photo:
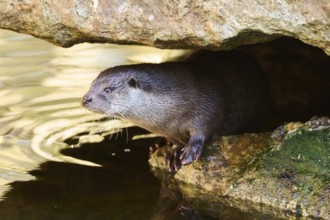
209 95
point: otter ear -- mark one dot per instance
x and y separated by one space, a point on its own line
132 82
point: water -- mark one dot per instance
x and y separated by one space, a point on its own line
58 160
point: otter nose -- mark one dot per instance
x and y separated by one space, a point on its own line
86 100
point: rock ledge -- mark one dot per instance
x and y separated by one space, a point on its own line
213 24
288 170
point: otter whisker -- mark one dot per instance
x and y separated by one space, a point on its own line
126 134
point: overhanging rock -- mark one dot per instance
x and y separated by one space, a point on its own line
214 24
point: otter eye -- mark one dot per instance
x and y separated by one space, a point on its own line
108 90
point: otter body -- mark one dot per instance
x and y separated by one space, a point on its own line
189 103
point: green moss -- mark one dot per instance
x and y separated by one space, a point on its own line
304 152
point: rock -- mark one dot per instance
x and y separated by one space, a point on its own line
288 170
214 24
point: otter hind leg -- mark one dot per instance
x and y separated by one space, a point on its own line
192 150
172 159
160 142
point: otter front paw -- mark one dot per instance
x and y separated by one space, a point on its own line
193 150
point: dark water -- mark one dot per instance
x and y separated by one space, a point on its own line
57 160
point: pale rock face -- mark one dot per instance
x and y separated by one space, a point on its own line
214 24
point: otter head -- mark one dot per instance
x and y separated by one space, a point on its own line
115 92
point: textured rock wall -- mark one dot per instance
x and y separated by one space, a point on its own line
214 24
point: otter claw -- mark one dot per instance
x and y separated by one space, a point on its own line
189 155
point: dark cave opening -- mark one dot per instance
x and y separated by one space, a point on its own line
299 77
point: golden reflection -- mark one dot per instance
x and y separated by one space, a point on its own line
16 159
8 98
86 139
144 136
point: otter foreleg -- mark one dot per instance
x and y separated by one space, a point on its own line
192 150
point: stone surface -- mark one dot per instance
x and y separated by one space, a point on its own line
288 170
214 24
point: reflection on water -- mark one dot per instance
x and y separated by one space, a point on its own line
40 89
